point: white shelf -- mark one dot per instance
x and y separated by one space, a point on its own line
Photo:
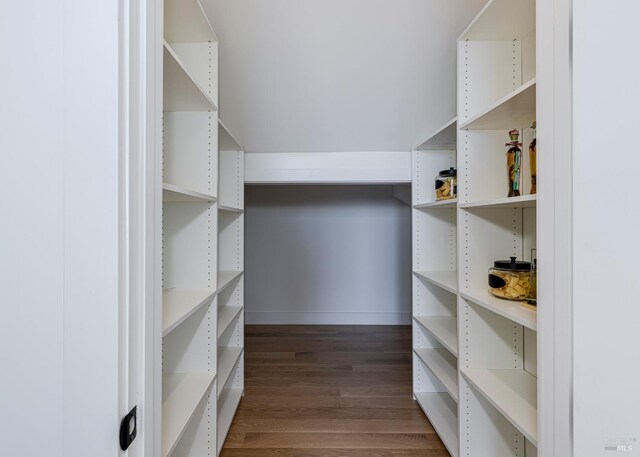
186 22
502 20
227 406
442 204
226 140
226 316
443 139
443 328
512 310
442 413
514 110
447 280
227 359
181 394
171 193
181 92
443 366
525 201
513 393
225 278
178 305
230 209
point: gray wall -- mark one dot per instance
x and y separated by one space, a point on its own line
327 255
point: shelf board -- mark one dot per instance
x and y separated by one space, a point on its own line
227 407
227 359
502 20
513 393
226 315
512 310
226 140
186 22
443 328
181 394
230 209
442 204
171 193
514 110
442 413
443 139
447 280
225 278
525 201
440 362
179 305
181 92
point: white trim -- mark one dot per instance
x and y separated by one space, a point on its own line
328 167
555 210
328 318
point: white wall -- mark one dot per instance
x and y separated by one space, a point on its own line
337 75
327 255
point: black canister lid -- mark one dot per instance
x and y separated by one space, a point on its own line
512 264
450 172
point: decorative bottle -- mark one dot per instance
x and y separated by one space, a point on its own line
514 163
532 159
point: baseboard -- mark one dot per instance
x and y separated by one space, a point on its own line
307 318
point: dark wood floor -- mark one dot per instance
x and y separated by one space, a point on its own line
314 391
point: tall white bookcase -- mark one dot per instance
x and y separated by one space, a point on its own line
202 243
475 356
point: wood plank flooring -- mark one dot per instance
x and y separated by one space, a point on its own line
334 391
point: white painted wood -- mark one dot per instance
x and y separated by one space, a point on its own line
516 108
181 92
226 316
524 201
226 277
227 405
443 204
60 235
443 365
555 214
230 209
227 360
190 153
443 138
487 72
173 194
328 167
443 328
502 20
606 397
513 393
201 62
442 413
228 141
179 305
181 392
232 179
448 280
186 22
512 310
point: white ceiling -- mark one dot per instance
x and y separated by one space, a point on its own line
337 75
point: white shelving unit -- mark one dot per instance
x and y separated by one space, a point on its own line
435 329
475 355
202 243
498 338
